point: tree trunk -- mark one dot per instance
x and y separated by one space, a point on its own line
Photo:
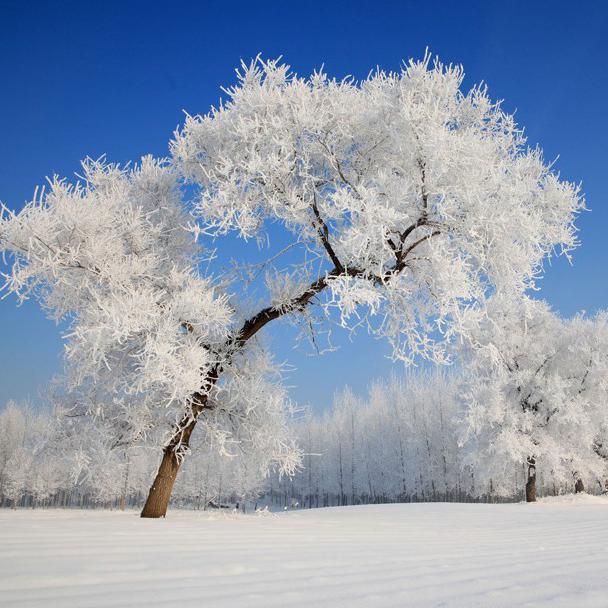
160 492
531 483
162 487
579 486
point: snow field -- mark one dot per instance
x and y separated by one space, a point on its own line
553 553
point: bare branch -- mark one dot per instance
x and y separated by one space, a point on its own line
323 231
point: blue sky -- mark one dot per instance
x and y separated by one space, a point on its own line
84 78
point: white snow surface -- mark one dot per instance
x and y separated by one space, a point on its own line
553 553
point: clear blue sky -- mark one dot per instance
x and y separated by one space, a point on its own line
92 78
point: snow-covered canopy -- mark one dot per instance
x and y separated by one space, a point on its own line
410 201
413 197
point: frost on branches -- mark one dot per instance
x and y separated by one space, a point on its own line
405 201
536 398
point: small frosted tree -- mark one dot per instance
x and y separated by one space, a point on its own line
536 397
403 199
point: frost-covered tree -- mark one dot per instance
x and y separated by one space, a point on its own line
536 397
403 201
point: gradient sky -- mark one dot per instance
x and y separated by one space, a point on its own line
92 78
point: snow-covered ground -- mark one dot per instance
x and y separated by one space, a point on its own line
553 553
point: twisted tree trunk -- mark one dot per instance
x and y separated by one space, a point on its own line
162 487
160 492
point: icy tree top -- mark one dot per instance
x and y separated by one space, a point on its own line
408 199
419 196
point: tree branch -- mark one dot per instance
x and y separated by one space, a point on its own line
323 231
401 254
423 220
254 324
200 400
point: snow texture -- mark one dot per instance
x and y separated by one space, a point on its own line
553 553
